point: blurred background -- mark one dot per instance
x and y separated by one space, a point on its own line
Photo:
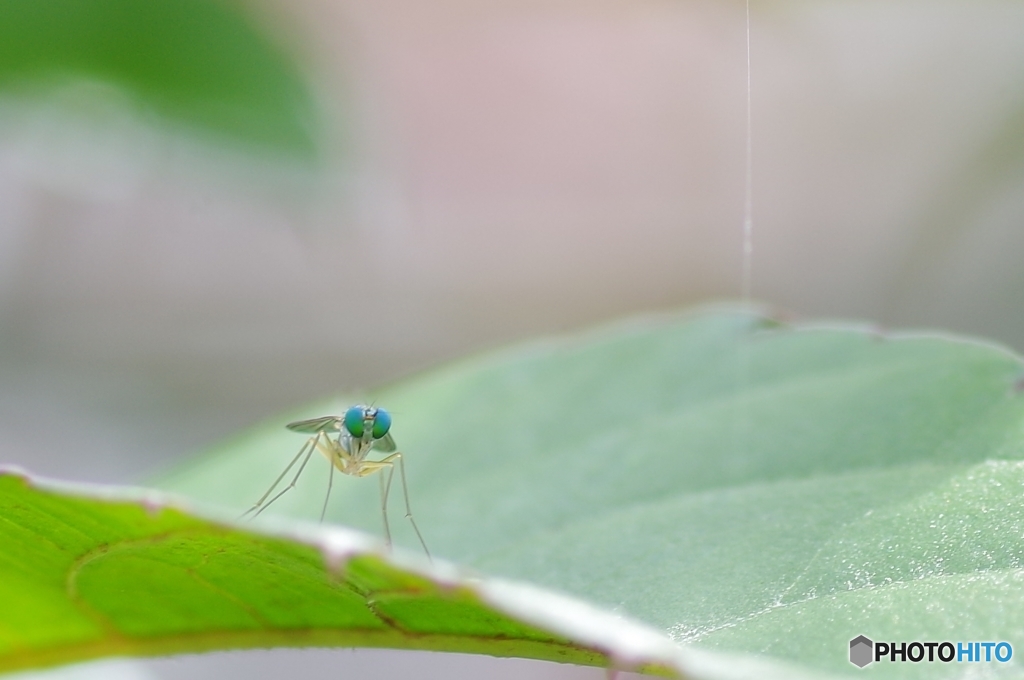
213 211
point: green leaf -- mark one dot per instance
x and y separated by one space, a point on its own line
92 571
201 62
745 486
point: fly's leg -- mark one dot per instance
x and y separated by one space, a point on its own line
330 481
385 489
309 447
408 508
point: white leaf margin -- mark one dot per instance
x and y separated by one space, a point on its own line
629 644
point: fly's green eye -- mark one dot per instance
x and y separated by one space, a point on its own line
354 421
381 423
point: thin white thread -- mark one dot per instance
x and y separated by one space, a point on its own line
748 207
741 425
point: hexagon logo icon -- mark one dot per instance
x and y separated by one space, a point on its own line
861 651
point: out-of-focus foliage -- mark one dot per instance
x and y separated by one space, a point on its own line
198 62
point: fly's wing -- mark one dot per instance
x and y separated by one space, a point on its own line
385 444
314 425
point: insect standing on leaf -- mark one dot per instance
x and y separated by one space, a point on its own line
361 430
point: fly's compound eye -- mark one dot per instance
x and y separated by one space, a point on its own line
354 421
381 423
